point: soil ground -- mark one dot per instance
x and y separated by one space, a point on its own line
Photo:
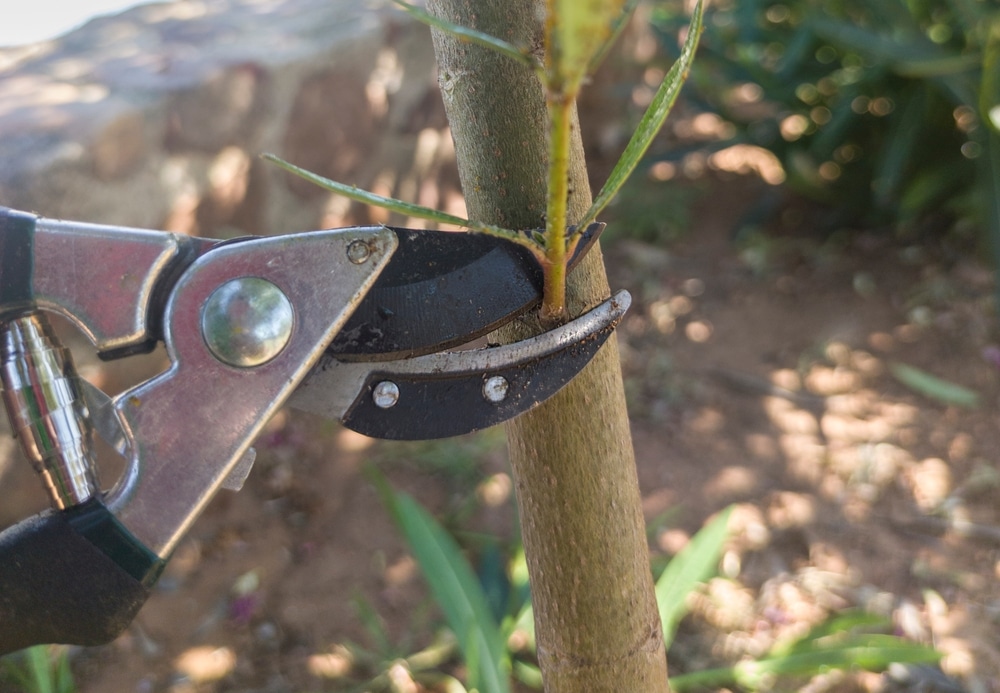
759 374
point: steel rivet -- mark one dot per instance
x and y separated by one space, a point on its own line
246 322
386 394
358 252
495 389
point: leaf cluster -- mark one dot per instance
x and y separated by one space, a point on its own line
851 641
888 110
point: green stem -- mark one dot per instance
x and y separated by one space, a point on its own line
554 294
703 679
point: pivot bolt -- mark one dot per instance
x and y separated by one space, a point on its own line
358 252
386 394
495 389
246 322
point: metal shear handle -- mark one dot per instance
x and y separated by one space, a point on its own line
239 342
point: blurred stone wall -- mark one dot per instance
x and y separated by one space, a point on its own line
156 117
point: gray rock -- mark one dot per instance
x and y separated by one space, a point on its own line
156 117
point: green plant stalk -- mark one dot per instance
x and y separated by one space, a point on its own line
553 308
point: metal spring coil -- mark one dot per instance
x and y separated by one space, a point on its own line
46 408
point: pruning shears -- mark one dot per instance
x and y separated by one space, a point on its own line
357 324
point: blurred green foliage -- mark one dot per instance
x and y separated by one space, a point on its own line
887 110
38 669
496 640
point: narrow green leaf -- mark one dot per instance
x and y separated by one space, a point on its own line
700 680
931 186
943 391
695 563
868 654
989 86
368 198
373 626
903 140
988 164
652 120
455 588
838 626
988 188
528 674
912 56
575 32
41 669
471 35
406 208
521 614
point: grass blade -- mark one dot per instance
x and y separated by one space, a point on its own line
694 564
870 653
988 165
928 385
903 139
837 625
455 589
471 35
40 668
913 56
652 119
865 652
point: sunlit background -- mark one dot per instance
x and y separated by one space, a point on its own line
39 20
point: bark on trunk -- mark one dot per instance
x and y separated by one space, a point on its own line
596 620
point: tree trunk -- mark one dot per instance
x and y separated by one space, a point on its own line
596 620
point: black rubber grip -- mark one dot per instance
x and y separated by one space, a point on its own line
17 234
74 577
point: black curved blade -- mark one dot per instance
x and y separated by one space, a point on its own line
455 392
444 289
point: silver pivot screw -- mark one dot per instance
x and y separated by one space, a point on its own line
246 322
